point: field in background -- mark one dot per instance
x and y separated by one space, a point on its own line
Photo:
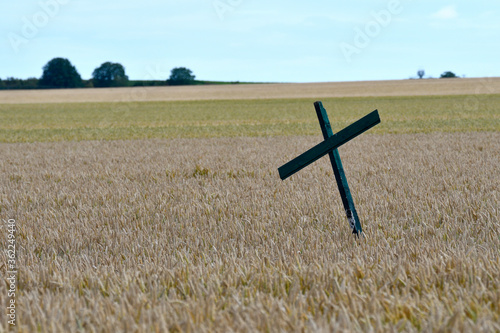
223 118
181 223
473 86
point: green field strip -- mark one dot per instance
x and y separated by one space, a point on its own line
228 118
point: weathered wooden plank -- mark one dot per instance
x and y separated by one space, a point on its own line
333 142
338 171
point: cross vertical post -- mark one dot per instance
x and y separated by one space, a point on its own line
338 170
329 146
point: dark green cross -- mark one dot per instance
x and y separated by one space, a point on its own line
329 146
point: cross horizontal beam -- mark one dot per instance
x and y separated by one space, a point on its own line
333 142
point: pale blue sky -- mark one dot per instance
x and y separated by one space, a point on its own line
254 40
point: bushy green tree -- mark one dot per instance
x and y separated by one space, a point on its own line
60 73
448 74
110 74
181 76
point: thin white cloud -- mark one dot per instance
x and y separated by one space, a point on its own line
445 13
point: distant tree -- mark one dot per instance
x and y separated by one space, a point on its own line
446 75
110 75
420 73
181 76
60 73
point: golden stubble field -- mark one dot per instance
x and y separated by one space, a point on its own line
427 87
201 235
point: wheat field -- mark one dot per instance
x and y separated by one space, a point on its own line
161 209
200 235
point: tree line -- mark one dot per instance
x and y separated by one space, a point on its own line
445 75
60 73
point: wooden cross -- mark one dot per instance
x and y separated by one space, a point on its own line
329 146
